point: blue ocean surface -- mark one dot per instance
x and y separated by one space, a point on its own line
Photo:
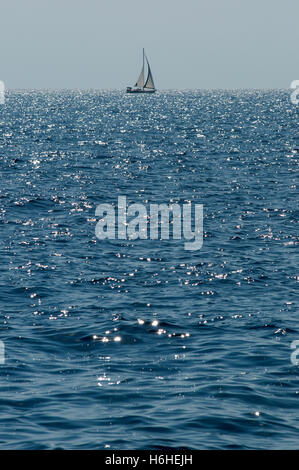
141 344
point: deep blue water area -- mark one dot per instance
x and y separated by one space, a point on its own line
141 344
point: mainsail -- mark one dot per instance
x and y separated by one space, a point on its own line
149 81
140 80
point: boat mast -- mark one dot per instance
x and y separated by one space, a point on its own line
143 63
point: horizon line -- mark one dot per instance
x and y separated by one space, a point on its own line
161 89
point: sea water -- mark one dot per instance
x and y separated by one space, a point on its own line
140 344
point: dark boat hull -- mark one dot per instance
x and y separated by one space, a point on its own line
140 90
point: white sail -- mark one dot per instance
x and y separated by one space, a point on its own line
149 81
140 81
140 86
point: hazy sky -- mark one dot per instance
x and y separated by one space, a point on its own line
190 43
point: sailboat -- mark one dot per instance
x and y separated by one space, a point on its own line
142 86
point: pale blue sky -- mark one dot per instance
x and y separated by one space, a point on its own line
190 43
